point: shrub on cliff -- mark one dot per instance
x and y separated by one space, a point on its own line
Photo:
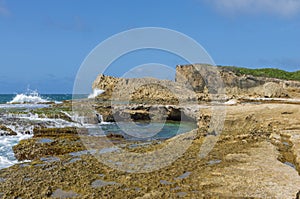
265 72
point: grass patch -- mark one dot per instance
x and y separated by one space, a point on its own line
265 72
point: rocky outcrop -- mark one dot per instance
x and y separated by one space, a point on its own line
190 76
48 142
198 76
245 161
156 113
194 82
272 90
148 90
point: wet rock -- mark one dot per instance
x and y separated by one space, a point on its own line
183 176
59 193
5 131
101 183
48 132
261 176
114 135
290 164
212 162
165 182
45 140
109 150
80 153
33 149
50 159
73 160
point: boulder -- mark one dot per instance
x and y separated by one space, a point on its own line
272 90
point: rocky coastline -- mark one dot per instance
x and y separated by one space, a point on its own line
256 153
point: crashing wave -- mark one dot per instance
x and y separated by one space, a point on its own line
7 157
31 98
95 93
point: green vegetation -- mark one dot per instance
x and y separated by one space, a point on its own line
265 72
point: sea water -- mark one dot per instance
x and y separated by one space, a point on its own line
28 100
7 157
147 131
38 98
24 123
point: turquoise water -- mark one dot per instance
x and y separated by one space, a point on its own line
145 131
131 131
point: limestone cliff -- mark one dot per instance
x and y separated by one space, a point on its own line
142 89
195 82
236 84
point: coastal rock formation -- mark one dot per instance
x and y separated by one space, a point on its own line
255 156
48 142
194 82
272 90
190 76
148 90
154 113
235 85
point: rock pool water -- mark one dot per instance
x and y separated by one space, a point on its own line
144 131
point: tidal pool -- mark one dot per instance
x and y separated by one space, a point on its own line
143 131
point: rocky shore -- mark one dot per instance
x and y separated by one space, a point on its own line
256 156
251 150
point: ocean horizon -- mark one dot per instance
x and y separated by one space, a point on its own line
38 98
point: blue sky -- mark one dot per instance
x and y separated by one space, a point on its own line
43 43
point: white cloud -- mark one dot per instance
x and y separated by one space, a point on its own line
284 8
3 9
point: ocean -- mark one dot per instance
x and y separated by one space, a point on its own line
29 100
16 114
6 98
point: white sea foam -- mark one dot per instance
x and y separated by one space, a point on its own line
75 117
32 97
51 122
231 102
95 93
7 157
24 123
83 120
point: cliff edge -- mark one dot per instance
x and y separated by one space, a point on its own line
197 82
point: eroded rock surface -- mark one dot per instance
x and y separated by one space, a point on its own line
195 82
252 157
